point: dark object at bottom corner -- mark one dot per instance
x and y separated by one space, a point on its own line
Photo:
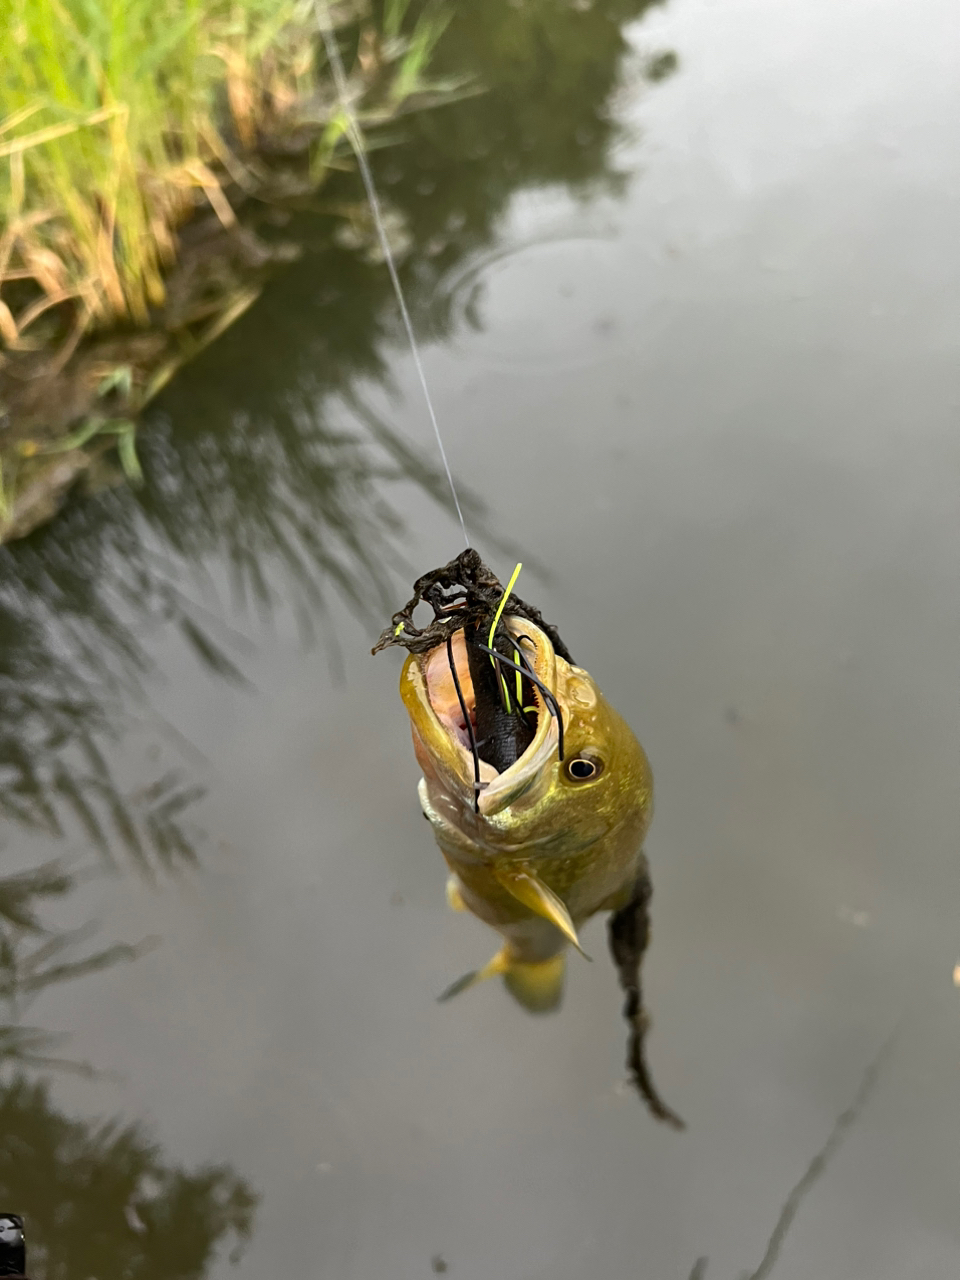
13 1249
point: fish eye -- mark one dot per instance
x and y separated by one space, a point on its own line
582 768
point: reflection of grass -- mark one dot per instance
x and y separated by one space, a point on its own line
297 508
34 957
56 716
98 1196
100 1200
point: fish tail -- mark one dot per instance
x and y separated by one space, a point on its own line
537 985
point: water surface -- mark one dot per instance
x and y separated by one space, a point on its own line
693 343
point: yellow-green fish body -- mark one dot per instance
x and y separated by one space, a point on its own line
548 842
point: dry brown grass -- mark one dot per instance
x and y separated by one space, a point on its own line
120 118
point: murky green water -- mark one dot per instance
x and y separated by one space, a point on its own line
693 342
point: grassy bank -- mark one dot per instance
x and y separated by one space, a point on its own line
123 122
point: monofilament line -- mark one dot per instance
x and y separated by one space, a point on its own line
356 141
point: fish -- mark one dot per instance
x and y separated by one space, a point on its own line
538 792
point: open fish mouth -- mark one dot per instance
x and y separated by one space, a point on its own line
480 683
498 715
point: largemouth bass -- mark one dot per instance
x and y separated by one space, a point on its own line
538 792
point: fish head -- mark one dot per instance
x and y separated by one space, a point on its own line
547 807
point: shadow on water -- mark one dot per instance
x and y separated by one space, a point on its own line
269 475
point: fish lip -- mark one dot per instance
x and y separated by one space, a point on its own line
452 758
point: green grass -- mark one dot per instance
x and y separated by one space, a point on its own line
118 118
109 121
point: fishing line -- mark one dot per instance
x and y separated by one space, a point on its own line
356 141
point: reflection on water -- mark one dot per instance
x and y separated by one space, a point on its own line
249 458
98 1196
812 1174
269 474
66 655
99 1199
32 955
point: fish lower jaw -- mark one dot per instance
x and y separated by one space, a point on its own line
452 805
465 836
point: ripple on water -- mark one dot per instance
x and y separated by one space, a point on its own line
547 304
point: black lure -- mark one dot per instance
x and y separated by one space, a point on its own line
462 593
466 595
503 731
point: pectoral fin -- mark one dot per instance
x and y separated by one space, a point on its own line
499 964
534 894
454 895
